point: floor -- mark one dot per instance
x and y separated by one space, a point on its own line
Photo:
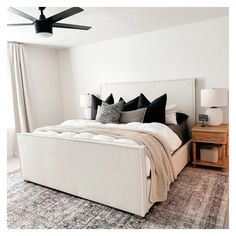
14 164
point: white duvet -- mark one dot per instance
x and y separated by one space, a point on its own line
171 139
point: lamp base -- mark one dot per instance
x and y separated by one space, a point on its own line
87 113
215 116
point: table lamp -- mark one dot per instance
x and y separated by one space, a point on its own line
213 99
85 101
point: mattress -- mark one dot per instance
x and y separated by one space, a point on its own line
165 132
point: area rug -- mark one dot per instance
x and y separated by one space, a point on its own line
197 199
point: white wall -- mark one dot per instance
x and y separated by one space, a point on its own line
198 50
44 85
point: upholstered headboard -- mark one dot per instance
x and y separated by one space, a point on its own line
180 91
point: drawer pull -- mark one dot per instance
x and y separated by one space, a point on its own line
208 136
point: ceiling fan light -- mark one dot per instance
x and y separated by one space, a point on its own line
44 34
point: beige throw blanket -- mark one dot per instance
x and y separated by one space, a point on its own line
157 151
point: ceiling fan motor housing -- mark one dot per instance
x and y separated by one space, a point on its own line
42 26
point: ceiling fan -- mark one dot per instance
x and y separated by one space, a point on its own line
43 26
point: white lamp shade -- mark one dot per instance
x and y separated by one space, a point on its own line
85 100
215 97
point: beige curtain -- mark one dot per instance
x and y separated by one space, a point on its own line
20 90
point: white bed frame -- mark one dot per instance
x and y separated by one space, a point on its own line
109 173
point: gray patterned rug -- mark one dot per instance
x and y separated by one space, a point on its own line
197 199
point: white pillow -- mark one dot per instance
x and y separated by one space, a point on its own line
171 119
171 114
171 108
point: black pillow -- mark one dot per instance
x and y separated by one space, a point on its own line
181 117
122 99
143 101
155 110
98 102
130 105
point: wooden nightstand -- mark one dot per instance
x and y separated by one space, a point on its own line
215 135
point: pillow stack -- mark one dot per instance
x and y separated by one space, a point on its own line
139 109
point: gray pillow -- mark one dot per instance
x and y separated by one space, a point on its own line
109 113
133 116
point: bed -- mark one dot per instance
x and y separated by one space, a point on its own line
110 173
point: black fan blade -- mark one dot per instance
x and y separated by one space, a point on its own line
70 26
20 13
20 24
64 14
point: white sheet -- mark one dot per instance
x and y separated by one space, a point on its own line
171 139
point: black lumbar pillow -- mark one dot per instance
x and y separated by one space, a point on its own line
98 102
130 105
155 110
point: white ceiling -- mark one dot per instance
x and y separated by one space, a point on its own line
108 23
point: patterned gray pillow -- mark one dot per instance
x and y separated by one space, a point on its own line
133 116
109 113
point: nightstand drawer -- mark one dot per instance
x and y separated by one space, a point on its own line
209 137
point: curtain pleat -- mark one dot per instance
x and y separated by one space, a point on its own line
19 80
